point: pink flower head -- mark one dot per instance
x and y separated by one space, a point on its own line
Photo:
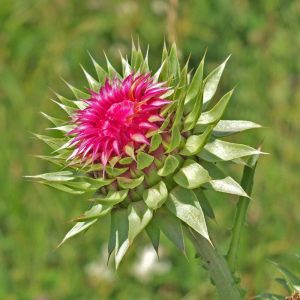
119 116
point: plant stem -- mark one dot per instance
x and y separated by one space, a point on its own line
217 267
241 212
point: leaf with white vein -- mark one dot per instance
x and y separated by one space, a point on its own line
229 127
184 204
228 151
227 185
76 229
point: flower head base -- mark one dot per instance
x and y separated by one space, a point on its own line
120 116
145 152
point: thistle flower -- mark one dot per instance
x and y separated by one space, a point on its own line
117 118
145 147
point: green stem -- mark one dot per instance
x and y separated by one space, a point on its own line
241 213
217 267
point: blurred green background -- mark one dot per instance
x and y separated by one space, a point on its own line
43 40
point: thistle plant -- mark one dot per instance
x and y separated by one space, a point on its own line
145 147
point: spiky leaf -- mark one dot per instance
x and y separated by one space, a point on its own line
144 160
195 143
156 196
191 175
170 227
171 163
212 82
184 204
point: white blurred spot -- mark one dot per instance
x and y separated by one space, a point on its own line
148 264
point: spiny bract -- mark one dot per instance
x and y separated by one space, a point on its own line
145 147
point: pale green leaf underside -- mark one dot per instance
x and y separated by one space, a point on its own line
195 143
155 196
191 175
170 165
184 204
97 211
227 185
78 228
212 82
229 127
228 151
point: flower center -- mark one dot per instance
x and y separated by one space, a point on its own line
121 112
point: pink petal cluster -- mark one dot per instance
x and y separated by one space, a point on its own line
119 115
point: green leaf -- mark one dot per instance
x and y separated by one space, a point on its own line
204 203
53 159
126 68
139 215
156 196
212 82
112 197
179 96
77 93
63 188
118 240
129 183
54 176
76 229
195 143
163 74
54 143
156 76
191 175
174 63
170 226
96 183
154 234
227 151
114 172
184 204
112 235
112 73
227 185
55 121
215 170
193 117
93 83
63 128
126 161
129 150
95 212
144 160
215 114
155 142
229 127
68 109
101 73
196 83
175 139
145 65
136 57
71 103
171 163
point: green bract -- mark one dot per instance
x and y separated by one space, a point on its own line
143 190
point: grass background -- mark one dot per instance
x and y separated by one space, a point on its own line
41 41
